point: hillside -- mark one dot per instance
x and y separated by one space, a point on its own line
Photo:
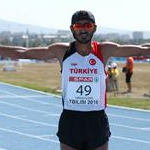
18 27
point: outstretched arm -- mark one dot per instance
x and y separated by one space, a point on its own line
110 49
52 51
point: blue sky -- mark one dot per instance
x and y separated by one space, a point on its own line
121 14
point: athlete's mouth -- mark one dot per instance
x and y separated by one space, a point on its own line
83 34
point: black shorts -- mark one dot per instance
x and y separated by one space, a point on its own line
128 77
83 130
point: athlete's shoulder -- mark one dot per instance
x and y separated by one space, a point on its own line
105 43
59 45
58 49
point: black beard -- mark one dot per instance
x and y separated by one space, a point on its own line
82 41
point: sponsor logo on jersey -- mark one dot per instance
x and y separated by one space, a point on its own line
81 79
74 64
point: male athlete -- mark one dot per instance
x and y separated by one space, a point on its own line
83 123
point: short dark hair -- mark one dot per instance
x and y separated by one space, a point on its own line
82 15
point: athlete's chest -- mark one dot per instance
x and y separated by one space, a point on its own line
77 64
83 81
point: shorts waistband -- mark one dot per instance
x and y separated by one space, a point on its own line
84 113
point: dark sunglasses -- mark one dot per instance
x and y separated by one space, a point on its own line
87 26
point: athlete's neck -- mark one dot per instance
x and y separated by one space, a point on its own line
83 49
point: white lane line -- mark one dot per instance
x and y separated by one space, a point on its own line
51 135
52 114
129 127
31 90
28 135
131 139
24 96
31 109
132 118
33 100
25 108
127 117
129 108
146 128
2 149
28 120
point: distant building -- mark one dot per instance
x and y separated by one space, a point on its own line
115 36
60 36
137 35
63 33
125 37
112 36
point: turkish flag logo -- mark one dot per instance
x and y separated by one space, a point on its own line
92 61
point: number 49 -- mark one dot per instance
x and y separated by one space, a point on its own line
86 90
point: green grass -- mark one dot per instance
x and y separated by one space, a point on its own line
130 102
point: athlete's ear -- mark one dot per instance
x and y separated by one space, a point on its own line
95 28
71 28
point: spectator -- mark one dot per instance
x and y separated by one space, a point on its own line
115 73
109 79
128 70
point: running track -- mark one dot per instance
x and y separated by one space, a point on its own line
29 119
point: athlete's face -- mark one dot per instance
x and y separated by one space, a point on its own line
83 31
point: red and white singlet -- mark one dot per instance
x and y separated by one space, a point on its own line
83 80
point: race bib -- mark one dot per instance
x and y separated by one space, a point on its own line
83 91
